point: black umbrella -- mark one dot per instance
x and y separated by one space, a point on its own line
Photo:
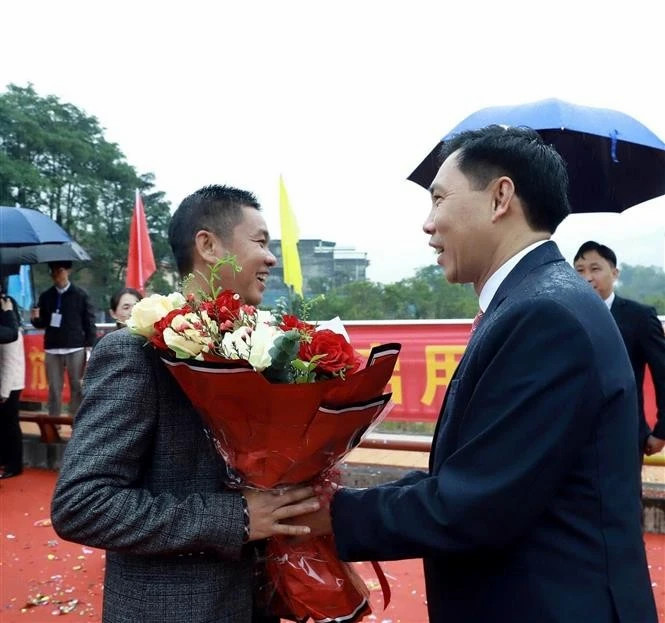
614 162
36 253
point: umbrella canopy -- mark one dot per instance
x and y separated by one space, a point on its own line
23 226
614 162
36 253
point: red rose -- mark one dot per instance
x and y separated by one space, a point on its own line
225 307
293 322
248 310
157 339
337 353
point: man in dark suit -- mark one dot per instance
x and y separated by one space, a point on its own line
530 510
67 316
141 479
641 330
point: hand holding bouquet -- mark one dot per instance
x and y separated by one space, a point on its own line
284 401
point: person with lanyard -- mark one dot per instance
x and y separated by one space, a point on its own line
67 316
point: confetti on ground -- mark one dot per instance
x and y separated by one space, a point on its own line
42 523
42 576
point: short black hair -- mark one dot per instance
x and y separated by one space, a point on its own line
536 169
602 250
59 264
215 208
117 295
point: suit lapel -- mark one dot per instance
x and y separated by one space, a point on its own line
544 254
617 308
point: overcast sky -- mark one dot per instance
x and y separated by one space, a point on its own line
342 98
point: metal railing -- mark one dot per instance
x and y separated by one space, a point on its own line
375 441
423 443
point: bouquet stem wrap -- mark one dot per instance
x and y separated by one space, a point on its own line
273 435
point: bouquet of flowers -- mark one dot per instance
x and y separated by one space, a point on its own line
284 401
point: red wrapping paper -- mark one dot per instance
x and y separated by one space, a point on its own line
273 435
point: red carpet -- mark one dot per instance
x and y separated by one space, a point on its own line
42 576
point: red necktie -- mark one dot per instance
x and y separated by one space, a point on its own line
476 320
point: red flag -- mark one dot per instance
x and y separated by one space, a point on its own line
140 260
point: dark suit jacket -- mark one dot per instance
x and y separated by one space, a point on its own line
530 511
77 328
643 336
141 479
8 327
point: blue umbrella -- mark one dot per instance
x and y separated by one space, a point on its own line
614 162
22 226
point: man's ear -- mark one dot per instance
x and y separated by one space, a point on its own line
615 273
502 194
207 246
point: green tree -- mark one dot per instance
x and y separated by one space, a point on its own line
54 158
645 284
357 300
426 295
434 297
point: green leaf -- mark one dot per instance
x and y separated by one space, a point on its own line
285 349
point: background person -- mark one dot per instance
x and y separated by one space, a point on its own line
140 477
530 509
12 381
8 324
66 314
642 334
121 305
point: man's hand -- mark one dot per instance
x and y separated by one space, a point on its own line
6 304
267 509
319 522
653 445
34 313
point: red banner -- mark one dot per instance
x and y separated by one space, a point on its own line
430 352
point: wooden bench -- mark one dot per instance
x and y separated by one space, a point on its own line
48 425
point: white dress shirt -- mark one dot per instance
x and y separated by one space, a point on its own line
497 277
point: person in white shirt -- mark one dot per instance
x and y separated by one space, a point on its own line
641 330
530 508
12 381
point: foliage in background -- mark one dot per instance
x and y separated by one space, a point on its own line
643 283
54 158
425 295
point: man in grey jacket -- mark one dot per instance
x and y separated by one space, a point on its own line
141 479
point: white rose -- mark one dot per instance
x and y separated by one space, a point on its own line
184 344
147 312
176 299
187 321
261 341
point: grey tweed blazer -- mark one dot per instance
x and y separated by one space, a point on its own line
141 480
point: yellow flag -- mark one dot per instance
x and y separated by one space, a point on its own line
290 236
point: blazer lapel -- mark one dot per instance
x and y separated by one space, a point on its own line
544 254
617 307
